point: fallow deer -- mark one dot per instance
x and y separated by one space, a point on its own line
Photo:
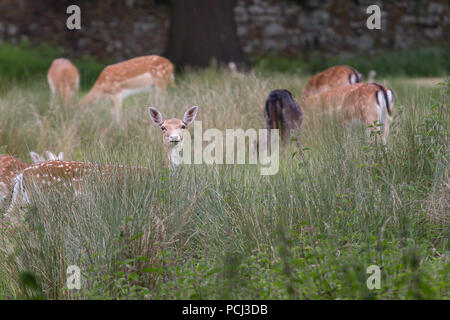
35 157
64 79
173 130
282 112
369 102
330 78
60 175
71 175
117 81
10 167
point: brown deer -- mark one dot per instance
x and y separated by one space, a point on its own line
117 81
173 130
282 112
10 167
330 78
369 102
64 79
71 175
61 175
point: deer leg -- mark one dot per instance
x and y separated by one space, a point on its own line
163 85
371 127
160 86
387 122
117 100
53 100
286 127
265 143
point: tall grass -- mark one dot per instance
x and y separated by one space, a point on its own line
225 231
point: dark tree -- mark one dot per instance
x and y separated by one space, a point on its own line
201 30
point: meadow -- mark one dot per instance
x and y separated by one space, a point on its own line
224 231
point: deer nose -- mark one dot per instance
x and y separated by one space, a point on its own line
174 138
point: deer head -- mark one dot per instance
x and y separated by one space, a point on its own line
35 157
173 130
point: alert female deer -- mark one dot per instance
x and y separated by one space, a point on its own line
64 79
70 175
123 79
369 102
173 130
330 78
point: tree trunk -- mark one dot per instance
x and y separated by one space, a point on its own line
201 30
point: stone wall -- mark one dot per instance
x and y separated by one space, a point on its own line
114 29
120 29
338 26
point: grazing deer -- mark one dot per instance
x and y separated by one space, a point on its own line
64 79
369 102
117 81
71 175
330 78
173 130
282 112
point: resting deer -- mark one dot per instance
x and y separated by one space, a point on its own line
50 156
10 167
330 78
64 79
70 175
368 102
117 81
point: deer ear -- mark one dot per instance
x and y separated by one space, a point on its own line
288 92
360 77
35 157
189 115
61 156
50 155
156 116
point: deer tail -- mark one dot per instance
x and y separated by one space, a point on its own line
354 77
18 191
383 98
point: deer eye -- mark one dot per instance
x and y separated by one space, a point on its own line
163 128
183 127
